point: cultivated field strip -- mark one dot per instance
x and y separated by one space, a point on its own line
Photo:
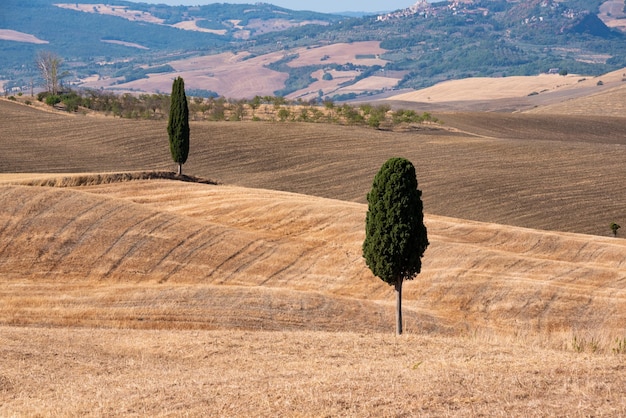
58 142
611 102
535 171
560 185
160 254
600 129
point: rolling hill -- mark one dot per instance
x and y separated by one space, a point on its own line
225 242
487 167
571 94
137 47
134 294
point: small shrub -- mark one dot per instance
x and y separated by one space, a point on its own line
42 96
53 99
20 94
304 115
72 101
374 121
12 98
284 114
600 83
28 102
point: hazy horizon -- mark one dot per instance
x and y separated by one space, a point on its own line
324 6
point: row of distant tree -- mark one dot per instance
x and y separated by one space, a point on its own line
212 107
266 108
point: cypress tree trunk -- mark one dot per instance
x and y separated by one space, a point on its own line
398 286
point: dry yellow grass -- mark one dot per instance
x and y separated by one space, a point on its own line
482 88
232 75
607 103
167 298
340 53
545 93
101 372
331 87
476 276
193 25
118 11
612 14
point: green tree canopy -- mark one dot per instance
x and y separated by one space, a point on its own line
178 124
395 234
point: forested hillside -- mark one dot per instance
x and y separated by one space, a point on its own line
425 43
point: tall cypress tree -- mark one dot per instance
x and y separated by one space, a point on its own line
395 234
178 124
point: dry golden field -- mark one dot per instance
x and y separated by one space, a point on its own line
134 295
12 35
546 93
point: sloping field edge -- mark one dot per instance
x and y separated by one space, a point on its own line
108 178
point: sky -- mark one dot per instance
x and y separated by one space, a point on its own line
325 6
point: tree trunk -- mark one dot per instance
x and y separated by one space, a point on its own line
399 306
180 169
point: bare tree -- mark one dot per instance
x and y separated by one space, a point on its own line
48 64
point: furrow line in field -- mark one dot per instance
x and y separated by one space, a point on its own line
188 243
134 244
256 256
66 246
12 196
40 204
240 249
297 261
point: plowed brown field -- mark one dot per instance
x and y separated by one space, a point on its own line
161 297
537 171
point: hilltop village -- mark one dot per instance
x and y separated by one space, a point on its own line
471 8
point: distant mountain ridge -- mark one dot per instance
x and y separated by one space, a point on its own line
419 46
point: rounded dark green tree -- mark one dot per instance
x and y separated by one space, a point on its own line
178 124
395 234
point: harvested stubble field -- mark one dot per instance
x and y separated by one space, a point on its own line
161 297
